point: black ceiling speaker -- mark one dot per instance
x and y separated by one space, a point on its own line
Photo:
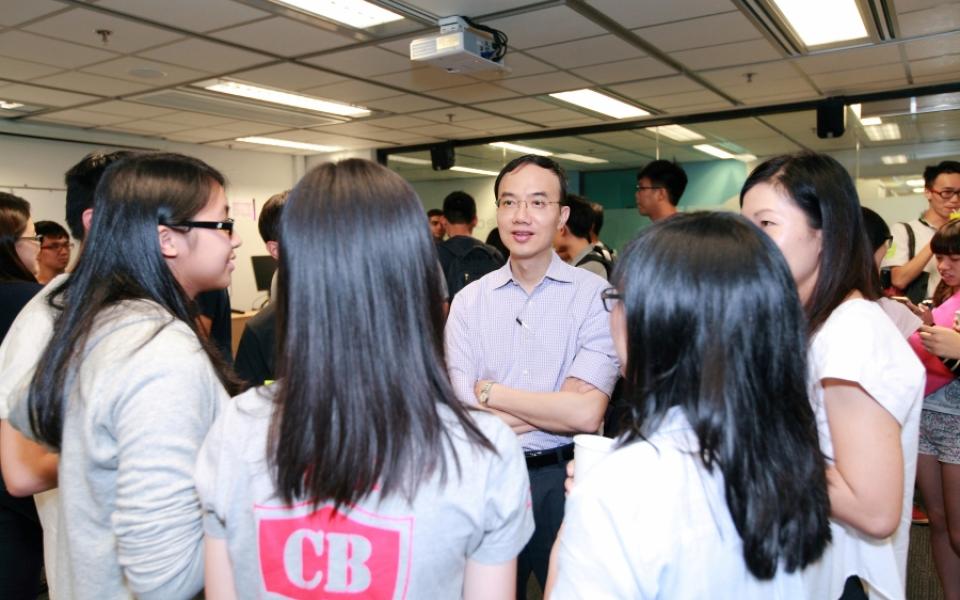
831 118
442 156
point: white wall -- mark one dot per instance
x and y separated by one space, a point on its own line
432 194
28 164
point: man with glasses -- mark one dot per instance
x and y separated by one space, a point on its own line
910 260
659 187
530 342
55 250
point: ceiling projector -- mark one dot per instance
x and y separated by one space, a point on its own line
458 49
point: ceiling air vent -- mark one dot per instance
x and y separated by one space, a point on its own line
234 109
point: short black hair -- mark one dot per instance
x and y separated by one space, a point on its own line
81 181
931 173
51 229
877 229
459 208
666 174
597 217
580 221
434 212
541 161
269 222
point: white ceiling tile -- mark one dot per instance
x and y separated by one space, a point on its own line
283 36
554 115
518 65
400 122
86 118
846 60
149 126
424 79
91 84
188 14
727 55
933 47
654 87
196 135
240 128
320 137
43 96
516 107
641 14
581 53
547 26
624 70
725 28
363 62
14 13
489 123
27 46
438 130
360 129
402 46
207 56
944 17
454 114
844 79
81 25
759 89
404 104
942 65
193 119
128 66
21 70
759 73
545 83
470 8
905 6
673 101
402 137
351 91
288 76
131 110
469 94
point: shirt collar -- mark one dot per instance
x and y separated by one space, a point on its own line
557 271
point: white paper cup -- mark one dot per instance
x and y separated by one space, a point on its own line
588 450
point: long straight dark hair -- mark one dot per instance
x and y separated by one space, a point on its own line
133 197
715 327
363 401
824 191
14 214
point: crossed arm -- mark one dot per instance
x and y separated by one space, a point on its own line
577 408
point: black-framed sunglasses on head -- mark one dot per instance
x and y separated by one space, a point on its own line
610 297
224 225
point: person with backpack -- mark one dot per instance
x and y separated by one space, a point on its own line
572 241
911 265
464 258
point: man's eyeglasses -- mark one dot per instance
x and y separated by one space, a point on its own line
610 297
224 225
649 187
535 204
58 246
947 193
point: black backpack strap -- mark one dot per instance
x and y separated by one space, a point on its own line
595 256
911 241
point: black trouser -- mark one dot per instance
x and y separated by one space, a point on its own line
21 548
546 490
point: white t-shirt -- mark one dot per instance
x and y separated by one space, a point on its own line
381 548
859 343
903 318
649 521
900 250
19 354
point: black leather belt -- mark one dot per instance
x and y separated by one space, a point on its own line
546 458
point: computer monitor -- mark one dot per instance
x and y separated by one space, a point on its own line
263 268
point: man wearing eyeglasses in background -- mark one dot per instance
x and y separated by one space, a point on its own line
530 343
54 250
911 260
659 187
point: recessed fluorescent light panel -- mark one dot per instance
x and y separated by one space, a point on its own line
9 105
408 160
474 171
590 160
916 182
245 90
864 121
676 133
896 159
355 13
714 151
288 144
882 133
520 149
918 190
821 22
601 103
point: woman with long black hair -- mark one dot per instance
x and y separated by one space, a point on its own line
717 486
359 471
127 388
866 385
